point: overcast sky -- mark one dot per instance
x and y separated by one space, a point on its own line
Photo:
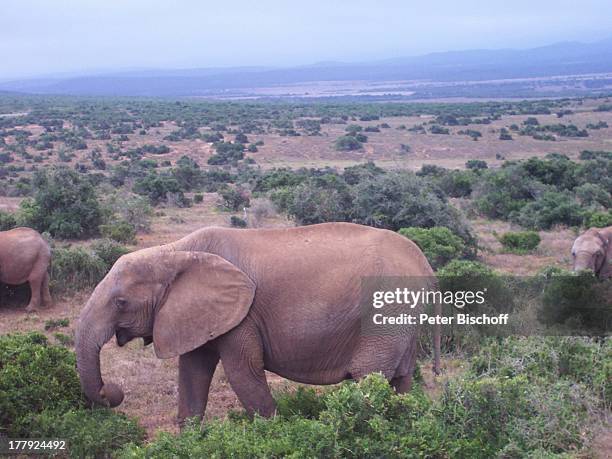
50 36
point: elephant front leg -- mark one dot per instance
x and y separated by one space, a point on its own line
196 370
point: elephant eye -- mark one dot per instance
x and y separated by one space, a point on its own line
121 303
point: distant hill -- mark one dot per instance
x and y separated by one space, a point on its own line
569 58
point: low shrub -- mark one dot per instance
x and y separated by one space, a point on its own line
577 302
34 376
598 220
7 221
90 433
76 268
198 198
108 251
120 231
439 244
233 199
40 396
476 416
52 324
64 204
237 222
520 241
552 208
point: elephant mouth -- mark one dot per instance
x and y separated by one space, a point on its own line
123 337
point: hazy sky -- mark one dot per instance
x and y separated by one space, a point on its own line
49 36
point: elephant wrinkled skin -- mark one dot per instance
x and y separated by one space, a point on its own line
284 300
25 257
593 250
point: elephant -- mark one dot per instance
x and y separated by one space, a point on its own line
25 257
593 250
284 300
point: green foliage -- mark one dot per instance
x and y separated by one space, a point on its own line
439 244
237 222
488 412
476 164
52 324
120 231
198 198
576 301
347 143
233 199
40 396
7 221
552 208
521 241
108 251
499 193
64 204
34 377
599 220
317 200
158 187
75 268
91 433
400 200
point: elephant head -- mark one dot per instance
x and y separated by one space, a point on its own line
176 299
593 250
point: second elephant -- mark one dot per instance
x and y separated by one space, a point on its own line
284 300
25 257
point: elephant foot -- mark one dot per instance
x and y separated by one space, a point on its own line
30 309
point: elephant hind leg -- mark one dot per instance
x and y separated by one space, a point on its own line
402 381
38 280
35 288
46 295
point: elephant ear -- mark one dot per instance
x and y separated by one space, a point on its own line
606 268
208 297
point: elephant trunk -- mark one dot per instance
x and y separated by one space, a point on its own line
89 341
583 261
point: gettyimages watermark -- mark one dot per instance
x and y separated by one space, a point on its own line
487 305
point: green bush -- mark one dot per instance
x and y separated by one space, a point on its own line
76 268
198 198
347 143
499 193
521 241
552 208
233 199
317 200
401 200
91 433
120 231
576 301
476 164
545 360
34 377
108 251
64 204
476 417
598 220
439 244
464 276
40 396
237 222
7 221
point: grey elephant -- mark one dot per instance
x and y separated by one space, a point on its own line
284 300
593 250
25 257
